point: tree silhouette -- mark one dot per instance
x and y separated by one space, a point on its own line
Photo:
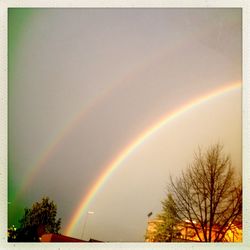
37 220
208 195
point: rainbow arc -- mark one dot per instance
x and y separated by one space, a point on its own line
113 165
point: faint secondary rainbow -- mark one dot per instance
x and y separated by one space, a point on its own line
66 130
56 140
83 205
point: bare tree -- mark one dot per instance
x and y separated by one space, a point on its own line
208 195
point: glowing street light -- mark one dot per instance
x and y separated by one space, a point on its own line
84 226
188 221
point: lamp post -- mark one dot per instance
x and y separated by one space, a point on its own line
85 223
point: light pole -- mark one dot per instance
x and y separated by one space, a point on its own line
85 223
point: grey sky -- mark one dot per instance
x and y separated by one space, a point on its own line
126 68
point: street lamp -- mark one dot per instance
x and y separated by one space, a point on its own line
85 223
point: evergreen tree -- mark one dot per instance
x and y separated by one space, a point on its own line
166 228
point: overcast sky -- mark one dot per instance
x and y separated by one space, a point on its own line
84 83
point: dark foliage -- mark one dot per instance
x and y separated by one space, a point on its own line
37 220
